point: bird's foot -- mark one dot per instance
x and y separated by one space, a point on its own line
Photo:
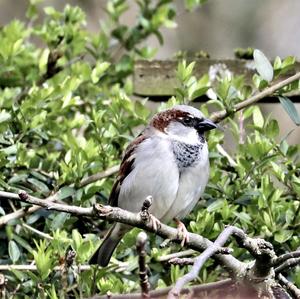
154 221
182 232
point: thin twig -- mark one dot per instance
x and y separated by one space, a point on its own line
84 182
144 282
23 211
291 288
220 115
222 151
98 176
182 261
288 264
281 259
179 254
34 230
201 259
242 128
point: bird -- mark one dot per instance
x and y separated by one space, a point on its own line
168 161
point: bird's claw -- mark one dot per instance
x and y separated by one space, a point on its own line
182 232
155 222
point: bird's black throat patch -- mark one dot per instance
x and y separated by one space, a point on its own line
186 154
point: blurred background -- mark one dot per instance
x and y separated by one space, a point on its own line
218 27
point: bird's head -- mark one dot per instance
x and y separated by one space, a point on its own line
183 123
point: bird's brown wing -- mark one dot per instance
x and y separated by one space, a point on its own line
125 169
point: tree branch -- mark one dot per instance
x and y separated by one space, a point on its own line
23 211
220 115
161 293
195 242
285 257
291 288
98 176
201 259
261 271
144 282
288 264
84 182
179 254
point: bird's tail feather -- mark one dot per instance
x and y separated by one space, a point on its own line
111 240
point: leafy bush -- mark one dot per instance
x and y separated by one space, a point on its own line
66 114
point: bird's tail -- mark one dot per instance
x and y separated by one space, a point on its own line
111 240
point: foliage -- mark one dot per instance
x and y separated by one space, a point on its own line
66 114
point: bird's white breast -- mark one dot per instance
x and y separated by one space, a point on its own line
192 182
154 173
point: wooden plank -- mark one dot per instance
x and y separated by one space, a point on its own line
157 79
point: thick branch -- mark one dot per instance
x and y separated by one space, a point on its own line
220 115
257 247
161 293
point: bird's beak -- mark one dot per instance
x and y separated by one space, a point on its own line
206 125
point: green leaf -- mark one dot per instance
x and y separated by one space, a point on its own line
65 192
98 71
283 235
4 116
272 128
263 65
13 251
290 108
258 118
59 220
216 205
40 186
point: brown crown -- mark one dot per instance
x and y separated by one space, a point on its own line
161 120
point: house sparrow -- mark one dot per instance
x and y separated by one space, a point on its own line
169 161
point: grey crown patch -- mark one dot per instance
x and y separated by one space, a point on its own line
186 154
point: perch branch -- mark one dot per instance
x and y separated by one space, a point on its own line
220 115
196 241
260 249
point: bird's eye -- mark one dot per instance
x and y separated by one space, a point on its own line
188 121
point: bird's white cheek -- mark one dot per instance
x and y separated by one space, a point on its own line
178 132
